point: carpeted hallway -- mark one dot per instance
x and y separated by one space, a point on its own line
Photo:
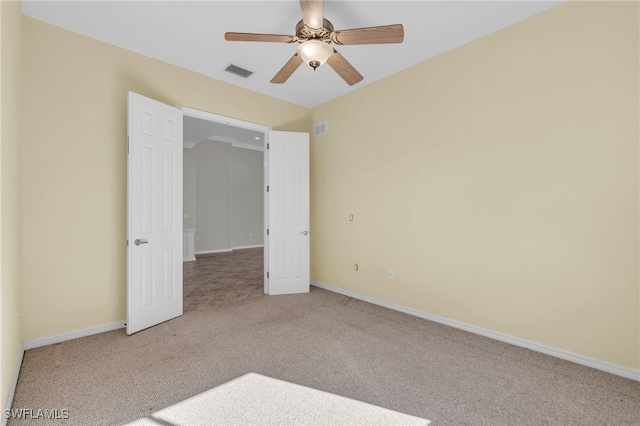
218 278
324 341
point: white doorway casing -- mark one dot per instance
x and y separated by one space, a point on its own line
155 210
188 245
190 112
296 257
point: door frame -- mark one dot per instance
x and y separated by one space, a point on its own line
204 115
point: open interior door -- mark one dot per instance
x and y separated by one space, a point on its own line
288 213
154 213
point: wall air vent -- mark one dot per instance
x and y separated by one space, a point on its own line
233 69
320 129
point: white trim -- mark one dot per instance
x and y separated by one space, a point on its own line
188 245
247 247
247 146
228 250
32 344
265 210
231 198
12 389
190 112
223 139
618 370
213 251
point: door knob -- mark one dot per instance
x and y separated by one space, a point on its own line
305 232
138 242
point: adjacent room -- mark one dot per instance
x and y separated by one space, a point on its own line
223 211
473 231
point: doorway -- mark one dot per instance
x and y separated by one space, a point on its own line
224 210
155 209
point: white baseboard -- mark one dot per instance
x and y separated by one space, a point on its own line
228 250
213 251
618 370
189 259
247 247
32 344
12 389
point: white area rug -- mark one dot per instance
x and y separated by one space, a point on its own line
254 399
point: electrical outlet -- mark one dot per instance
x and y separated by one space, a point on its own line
350 218
390 274
355 266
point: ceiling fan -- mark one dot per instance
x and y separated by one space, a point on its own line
315 34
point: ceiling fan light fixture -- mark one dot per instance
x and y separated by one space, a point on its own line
314 34
315 52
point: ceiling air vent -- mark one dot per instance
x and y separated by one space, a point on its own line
233 69
320 129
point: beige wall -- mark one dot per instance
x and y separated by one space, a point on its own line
189 188
10 190
227 195
499 181
213 196
74 95
247 201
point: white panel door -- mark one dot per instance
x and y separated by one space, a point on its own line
154 213
288 223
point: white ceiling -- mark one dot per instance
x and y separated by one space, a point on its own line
196 130
190 34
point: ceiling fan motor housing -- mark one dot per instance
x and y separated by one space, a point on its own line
305 33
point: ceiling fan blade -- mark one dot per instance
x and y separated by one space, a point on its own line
344 68
371 35
312 12
259 37
288 69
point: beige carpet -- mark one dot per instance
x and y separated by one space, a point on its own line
327 342
215 279
254 399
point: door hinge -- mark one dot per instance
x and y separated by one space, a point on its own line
127 144
267 232
267 188
267 146
267 274
127 242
